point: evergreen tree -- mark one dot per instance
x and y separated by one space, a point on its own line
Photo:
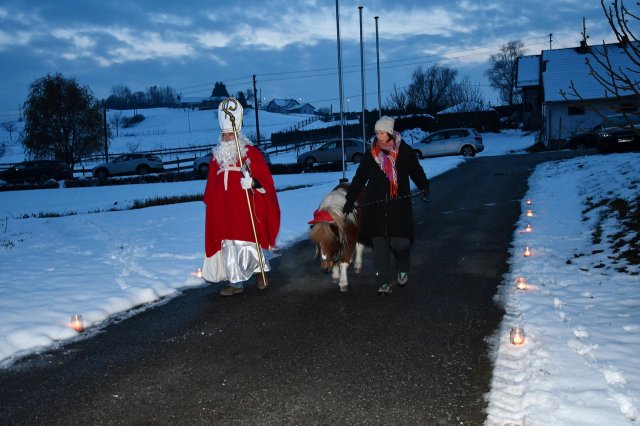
219 90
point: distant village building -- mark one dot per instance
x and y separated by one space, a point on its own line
548 101
289 106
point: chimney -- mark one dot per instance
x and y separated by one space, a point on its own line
583 47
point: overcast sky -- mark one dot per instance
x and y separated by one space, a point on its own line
289 45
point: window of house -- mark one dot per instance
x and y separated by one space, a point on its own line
576 110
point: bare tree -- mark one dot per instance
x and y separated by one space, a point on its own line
397 100
116 121
502 73
10 127
619 82
465 91
430 90
616 80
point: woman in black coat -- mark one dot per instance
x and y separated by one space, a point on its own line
386 212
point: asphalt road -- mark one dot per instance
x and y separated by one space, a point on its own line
301 352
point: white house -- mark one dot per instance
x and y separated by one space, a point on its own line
561 97
305 108
281 105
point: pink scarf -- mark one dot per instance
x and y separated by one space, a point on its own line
386 159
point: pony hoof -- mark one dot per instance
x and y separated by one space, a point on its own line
343 289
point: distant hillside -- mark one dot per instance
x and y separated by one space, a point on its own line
164 128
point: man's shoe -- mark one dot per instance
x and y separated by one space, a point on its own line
231 290
384 289
262 281
403 278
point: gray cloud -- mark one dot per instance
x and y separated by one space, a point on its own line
290 46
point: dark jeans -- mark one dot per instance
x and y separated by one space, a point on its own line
382 249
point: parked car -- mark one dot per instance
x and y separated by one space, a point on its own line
584 140
331 152
128 164
464 141
619 132
201 165
37 171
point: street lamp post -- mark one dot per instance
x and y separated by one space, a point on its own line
364 134
378 67
344 178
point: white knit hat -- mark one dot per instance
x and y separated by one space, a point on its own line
385 124
227 109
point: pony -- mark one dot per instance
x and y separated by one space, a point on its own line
336 236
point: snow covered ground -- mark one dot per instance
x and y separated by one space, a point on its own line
577 366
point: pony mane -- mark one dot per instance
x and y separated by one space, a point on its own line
332 203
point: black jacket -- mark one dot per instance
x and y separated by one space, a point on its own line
380 215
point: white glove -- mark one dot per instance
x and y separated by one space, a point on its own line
246 182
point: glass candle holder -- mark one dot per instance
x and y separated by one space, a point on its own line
521 283
517 336
77 323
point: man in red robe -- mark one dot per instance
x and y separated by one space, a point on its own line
230 242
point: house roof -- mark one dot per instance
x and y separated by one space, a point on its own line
284 102
465 107
564 66
299 107
528 71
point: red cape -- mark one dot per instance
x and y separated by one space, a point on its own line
227 213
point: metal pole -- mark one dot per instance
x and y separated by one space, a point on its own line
256 108
364 134
344 178
106 133
378 66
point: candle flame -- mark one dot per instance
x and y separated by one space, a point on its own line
529 213
517 336
76 323
197 273
521 283
528 228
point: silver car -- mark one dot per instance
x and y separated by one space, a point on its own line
464 141
129 164
331 152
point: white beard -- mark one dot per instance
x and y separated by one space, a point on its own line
226 153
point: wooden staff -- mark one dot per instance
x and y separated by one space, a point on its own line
227 107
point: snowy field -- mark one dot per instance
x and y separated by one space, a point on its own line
577 366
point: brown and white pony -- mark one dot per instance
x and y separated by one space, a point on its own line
336 236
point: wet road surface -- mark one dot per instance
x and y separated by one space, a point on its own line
301 352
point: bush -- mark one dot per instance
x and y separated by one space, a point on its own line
50 184
130 121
